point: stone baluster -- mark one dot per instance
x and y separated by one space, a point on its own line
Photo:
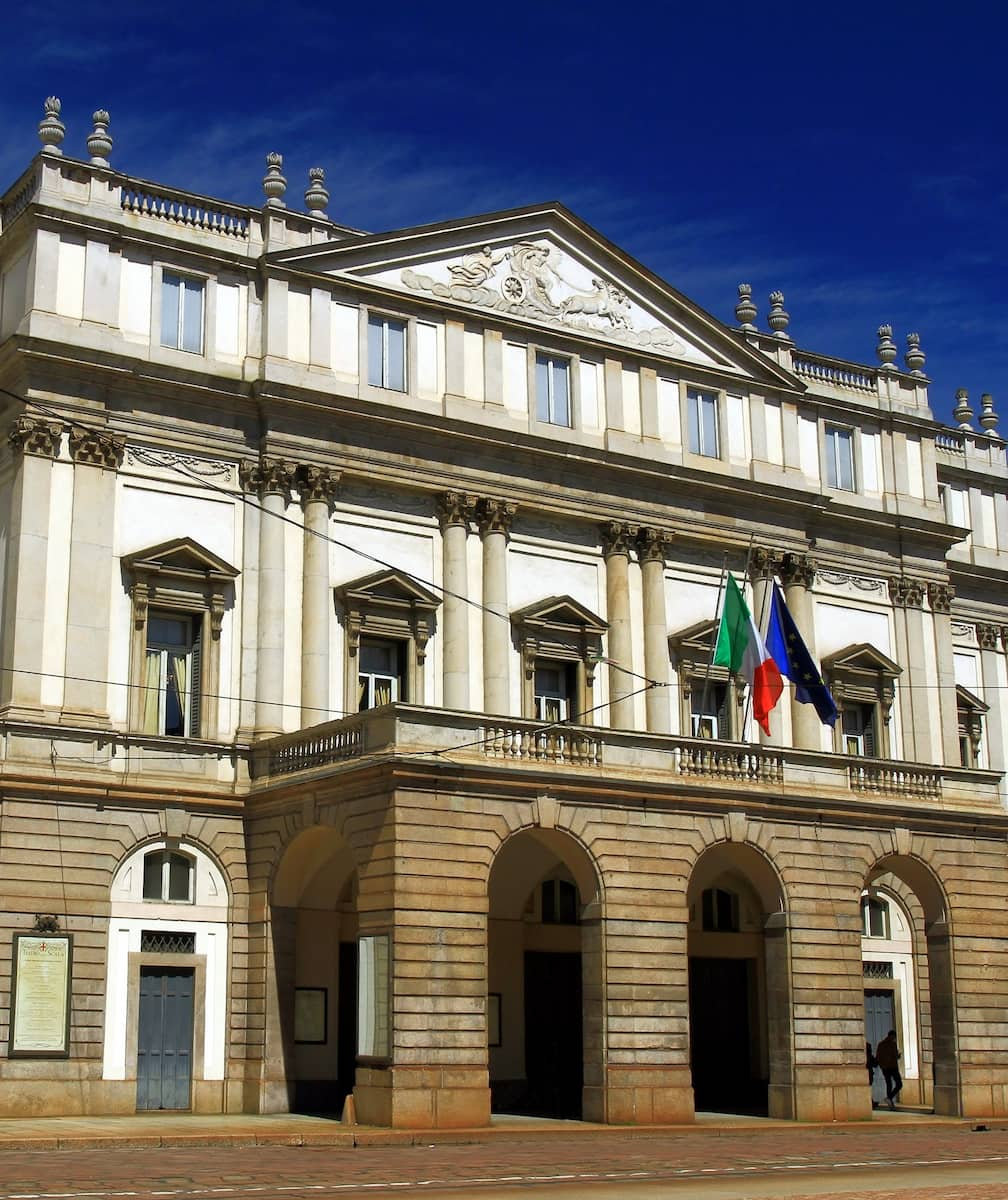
995 686
270 479
317 487
940 597
763 565
37 443
797 575
617 544
652 546
96 458
920 743
495 518
455 511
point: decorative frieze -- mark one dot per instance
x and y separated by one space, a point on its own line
96 449
495 516
653 545
456 508
618 538
861 583
32 435
940 597
906 593
188 464
317 485
268 476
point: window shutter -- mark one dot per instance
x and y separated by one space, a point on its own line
869 732
724 728
196 684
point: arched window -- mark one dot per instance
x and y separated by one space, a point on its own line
168 876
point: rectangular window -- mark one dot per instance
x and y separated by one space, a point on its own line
172 676
709 710
182 313
553 390
387 353
702 420
840 458
552 692
380 672
859 730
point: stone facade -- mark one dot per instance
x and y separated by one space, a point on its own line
359 726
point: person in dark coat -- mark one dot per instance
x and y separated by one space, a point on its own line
887 1055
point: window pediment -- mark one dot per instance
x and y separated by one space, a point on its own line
389 587
559 614
862 660
389 604
692 646
967 702
181 558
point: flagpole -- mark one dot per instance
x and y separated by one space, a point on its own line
745 578
713 642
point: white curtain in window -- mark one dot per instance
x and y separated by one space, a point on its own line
152 691
179 666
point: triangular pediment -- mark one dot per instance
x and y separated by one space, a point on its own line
694 641
545 267
559 613
388 587
864 659
966 700
179 557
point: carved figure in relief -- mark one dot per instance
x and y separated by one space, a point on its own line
475 269
606 300
530 267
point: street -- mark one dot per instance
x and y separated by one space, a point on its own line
903 1162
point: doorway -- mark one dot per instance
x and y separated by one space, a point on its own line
721 1036
165 1038
554 1066
879 1018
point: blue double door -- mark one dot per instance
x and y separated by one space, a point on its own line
165 1038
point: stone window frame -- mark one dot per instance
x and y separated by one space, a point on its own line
720 420
559 629
179 576
550 428
837 426
970 712
207 353
861 674
691 650
386 313
390 606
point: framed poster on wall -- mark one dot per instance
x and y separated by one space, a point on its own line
40 991
310 1013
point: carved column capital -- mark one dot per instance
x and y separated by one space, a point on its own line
267 476
32 435
796 569
764 563
96 449
906 593
653 545
989 636
456 508
317 485
495 516
940 596
617 538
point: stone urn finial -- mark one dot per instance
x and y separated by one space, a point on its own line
51 129
745 310
777 318
317 194
99 141
914 357
962 412
886 348
274 184
988 417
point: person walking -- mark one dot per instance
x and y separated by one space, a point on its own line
887 1055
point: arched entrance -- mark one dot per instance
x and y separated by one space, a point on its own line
544 984
314 927
739 994
909 976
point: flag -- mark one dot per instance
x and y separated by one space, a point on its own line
792 657
741 649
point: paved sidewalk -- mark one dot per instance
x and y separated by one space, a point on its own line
167 1130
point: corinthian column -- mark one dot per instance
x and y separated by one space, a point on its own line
940 596
455 511
96 458
495 518
37 442
797 573
652 545
995 682
318 487
617 542
271 481
919 741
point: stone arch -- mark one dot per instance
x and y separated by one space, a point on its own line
741 1030
544 902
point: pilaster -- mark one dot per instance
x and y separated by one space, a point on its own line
797 574
495 518
618 540
995 688
940 597
652 547
317 487
455 511
907 596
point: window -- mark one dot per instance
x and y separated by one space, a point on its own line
840 458
380 673
701 412
874 917
719 910
387 353
559 902
863 682
970 710
168 875
182 313
859 730
553 390
709 710
711 703
554 690
171 686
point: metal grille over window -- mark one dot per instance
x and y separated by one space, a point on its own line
877 970
167 941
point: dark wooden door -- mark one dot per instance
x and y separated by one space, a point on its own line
165 1038
720 1036
554 1049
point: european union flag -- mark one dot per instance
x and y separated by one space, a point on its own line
791 655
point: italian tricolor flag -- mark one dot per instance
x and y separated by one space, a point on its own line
741 649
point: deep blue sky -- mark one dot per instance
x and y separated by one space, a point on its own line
850 154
